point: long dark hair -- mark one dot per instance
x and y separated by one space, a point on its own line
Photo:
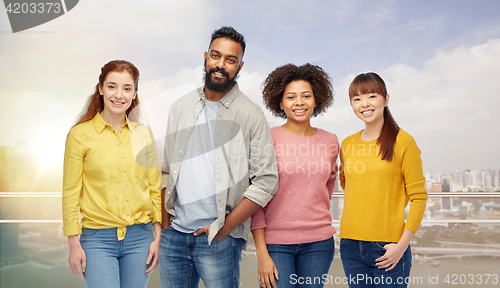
372 83
95 102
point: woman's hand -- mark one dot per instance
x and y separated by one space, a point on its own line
77 259
154 249
267 271
393 253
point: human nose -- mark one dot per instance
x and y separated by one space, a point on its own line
119 93
221 64
299 100
364 102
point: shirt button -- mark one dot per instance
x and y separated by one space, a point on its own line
175 171
120 131
127 215
127 200
227 104
123 157
120 144
124 171
114 131
196 110
180 151
189 130
126 185
168 192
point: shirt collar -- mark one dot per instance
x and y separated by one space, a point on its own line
100 124
227 99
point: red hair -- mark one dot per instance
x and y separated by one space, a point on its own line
372 83
95 102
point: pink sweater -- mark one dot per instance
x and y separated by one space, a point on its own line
300 210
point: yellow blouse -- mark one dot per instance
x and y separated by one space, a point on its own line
111 177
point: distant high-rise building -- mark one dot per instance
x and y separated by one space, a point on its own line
487 181
469 179
476 177
435 187
334 208
5 170
482 181
446 201
458 177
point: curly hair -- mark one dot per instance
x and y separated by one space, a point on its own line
276 81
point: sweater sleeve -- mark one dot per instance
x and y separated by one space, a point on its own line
330 184
258 219
414 184
341 171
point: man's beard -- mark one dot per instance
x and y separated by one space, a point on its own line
224 86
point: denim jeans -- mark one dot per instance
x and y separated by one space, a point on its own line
112 263
302 265
358 259
185 258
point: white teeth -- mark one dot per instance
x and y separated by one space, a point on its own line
299 111
117 103
367 112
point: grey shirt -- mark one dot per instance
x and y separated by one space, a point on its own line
245 161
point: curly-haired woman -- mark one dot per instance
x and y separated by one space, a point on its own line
293 233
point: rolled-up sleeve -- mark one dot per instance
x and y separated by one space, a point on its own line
154 178
263 171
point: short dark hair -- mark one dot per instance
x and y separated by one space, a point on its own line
228 32
274 87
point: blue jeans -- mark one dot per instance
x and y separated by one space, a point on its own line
358 259
112 263
185 258
302 265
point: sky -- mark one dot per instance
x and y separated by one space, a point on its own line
440 61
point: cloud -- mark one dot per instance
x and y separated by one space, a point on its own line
449 106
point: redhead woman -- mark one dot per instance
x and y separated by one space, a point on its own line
381 171
294 234
111 178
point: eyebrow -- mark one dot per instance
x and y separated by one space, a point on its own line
111 82
230 56
293 92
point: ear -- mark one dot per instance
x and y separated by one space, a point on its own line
386 100
281 106
135 95
241 64
205 56
100 90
